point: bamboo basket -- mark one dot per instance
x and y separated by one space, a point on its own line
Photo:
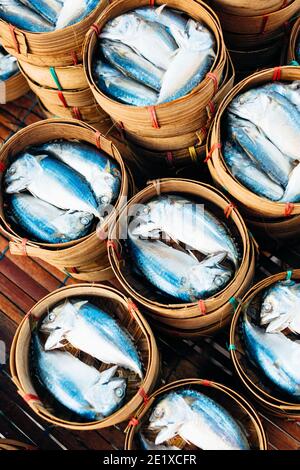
246 8
68 78
179 117
256 59
213 313
248 42
232 401
254 206
11 444
117 305
293 41
56 48
14 87
268 397
85 259
92 115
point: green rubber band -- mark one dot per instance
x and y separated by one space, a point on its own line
234 303
55 78
231 347
294 62
289 275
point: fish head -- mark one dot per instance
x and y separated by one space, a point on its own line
279 308
109 392
58 322
125 25
19 174
73 223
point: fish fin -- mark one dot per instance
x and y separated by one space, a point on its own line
213 259
167 433
278 324
108 167
160 9
107 374
79 303
54 340
39 158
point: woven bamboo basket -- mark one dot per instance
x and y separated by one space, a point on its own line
179 117
14 87
232 401
128 316
93 115
254 206
60 78
57 48
11 444
259 387
212 313
248 42
85 259
259 24
246 8
256 59
293 41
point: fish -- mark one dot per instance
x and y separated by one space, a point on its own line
148 445
125 90
288 90
198 420
47 223
14 12
93 331
274 115
131 64
188 222
52 181
48 9
101 172
292 190
74 11
91 394
8 65
260 149
276 355
280 307
245 170
177 273
165 16
151 40
189 64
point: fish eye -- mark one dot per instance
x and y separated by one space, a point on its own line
12 170
104 200
119 392
268 307
146 210
158 413
84 221
51 316
219 281
183 281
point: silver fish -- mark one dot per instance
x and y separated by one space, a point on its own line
148 445
93 331
48 9
292 190
165 16
79 387
74 11
8 65
22 17
197 419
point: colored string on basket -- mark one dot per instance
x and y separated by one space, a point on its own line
210 153
234 302
96 29
144 395
55 78
212 76
152 3
133 422
98 139
264 24
2 167
193 153
231 347
202 307
12 30
153 116
211 109
288 209
294 63
206 383
132 308
3 253
289 275
74 270
170 158
228 210
113 245
276 74
76 112
28 397
74 58
62 98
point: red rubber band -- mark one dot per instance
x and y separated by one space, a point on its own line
28 397
276 74
14 37
76 113
152 3
202 306
264 24
74 57
62 98
96 28
170 158
206 383
154 120
98 141
143 395
112 244
24 242
2 167
73 270
131 306
212 108
213 148
229 209
133 422
289 207
284 4
214 78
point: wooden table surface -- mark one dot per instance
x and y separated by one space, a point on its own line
23 281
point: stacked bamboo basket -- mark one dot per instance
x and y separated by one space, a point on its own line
294 39
264 217
127 315
232 401
170 134
52 66
253 380
11 444
191 319
255 31
85 259
12 88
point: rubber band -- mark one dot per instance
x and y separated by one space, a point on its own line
210 153
3 253
132 308
63 283
276 74
201 135
96 29
231 347
76 112
214 78
74 270
74 58
206 383
152 3
294 63
288 209
98 141
62 98
202 307
284 4
55 78
2 167
193 153
113 245
28 397
143 395
133 422
154 120
170 158
23 245
211 108
289 275
228 209
264 24
14 37
234 302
